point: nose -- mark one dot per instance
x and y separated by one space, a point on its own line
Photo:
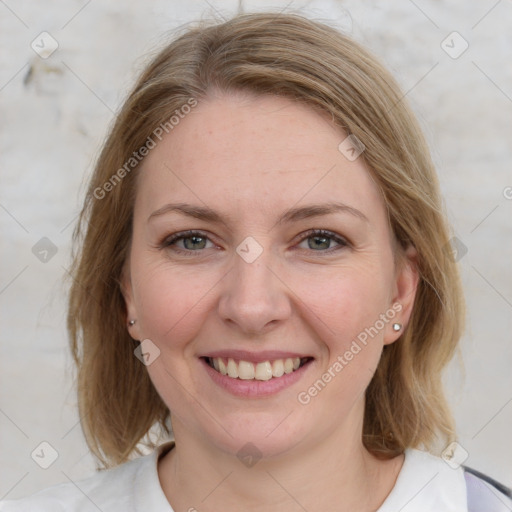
254 296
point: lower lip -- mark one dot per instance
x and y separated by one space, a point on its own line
255 388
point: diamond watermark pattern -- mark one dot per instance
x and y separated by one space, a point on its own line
44 455
455 249
351 148
44 45
454 45
147 352
44 250
249 250
454 455
249 455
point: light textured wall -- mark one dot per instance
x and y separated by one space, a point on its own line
55 112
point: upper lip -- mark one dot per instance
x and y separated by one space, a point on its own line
254 357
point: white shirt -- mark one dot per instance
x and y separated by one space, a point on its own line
425 484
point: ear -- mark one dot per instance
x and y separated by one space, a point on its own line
127 292
406 284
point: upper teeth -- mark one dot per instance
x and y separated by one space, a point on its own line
261 371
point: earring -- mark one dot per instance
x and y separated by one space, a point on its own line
397 327
131 322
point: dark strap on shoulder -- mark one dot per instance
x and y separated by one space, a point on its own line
486 478
484 494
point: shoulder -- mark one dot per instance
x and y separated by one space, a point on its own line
486 494
109 489
427 482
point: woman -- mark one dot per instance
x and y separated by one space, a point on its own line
265 269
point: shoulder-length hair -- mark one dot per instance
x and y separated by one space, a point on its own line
311 63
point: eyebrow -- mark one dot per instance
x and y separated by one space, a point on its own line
292 215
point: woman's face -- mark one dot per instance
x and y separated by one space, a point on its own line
255 288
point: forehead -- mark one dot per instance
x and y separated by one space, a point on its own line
254 155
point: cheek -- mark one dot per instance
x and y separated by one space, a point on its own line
344 300
345 306
345 311
171 302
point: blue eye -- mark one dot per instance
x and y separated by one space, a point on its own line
193 241
322 240
196 241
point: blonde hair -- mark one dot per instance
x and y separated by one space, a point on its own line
311 63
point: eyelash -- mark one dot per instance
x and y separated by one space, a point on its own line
167 242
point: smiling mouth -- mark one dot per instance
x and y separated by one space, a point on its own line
265 370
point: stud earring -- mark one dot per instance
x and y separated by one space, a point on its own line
131 322
397 327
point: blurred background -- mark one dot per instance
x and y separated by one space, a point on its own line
65 68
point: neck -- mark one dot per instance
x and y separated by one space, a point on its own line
336 472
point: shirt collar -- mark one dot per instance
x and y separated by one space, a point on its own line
148 492
426 483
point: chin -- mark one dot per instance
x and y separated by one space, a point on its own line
260 434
